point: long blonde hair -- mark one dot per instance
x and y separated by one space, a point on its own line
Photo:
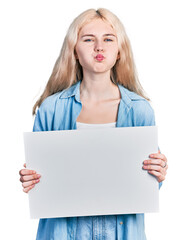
67 69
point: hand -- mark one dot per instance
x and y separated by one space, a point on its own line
157 165
28 178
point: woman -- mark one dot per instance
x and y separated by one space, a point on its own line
94 84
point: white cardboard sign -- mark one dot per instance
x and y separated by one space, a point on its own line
92 172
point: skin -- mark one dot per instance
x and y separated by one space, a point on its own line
98 37
99 96
95 38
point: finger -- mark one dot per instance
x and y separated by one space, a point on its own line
153 167
160 177
29 177
159 162
27 189
30 183
158 155
153 161
23 172
24 165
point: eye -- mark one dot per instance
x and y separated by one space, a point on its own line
108 40
88 40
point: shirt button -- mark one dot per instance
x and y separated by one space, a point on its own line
121 223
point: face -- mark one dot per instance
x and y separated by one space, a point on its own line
97 47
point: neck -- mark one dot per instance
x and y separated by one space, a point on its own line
98 87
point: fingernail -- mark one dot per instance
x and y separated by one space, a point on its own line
151 155
38 175
33 172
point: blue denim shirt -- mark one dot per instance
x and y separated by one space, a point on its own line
59 112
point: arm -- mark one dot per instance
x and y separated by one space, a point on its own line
157 164
43 122
29 177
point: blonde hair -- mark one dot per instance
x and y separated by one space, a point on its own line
67 69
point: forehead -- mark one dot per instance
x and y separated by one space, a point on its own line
97 26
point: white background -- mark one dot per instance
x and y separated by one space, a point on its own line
32 33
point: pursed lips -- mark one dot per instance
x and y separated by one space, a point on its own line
99 57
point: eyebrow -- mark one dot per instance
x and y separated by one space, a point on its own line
92 35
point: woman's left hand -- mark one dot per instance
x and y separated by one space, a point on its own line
157 165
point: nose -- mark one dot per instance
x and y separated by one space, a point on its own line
98 46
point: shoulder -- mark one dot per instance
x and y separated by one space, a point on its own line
143 113
134 100
51 107
140 108
49 103
45 113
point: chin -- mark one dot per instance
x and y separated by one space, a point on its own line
101 68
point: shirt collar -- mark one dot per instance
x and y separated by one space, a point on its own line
126 96
74 90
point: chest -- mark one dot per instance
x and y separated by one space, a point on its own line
103 112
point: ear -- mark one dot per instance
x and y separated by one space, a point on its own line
118 56
76 56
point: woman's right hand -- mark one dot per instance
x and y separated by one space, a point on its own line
28 178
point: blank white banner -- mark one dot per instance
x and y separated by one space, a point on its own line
92 172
